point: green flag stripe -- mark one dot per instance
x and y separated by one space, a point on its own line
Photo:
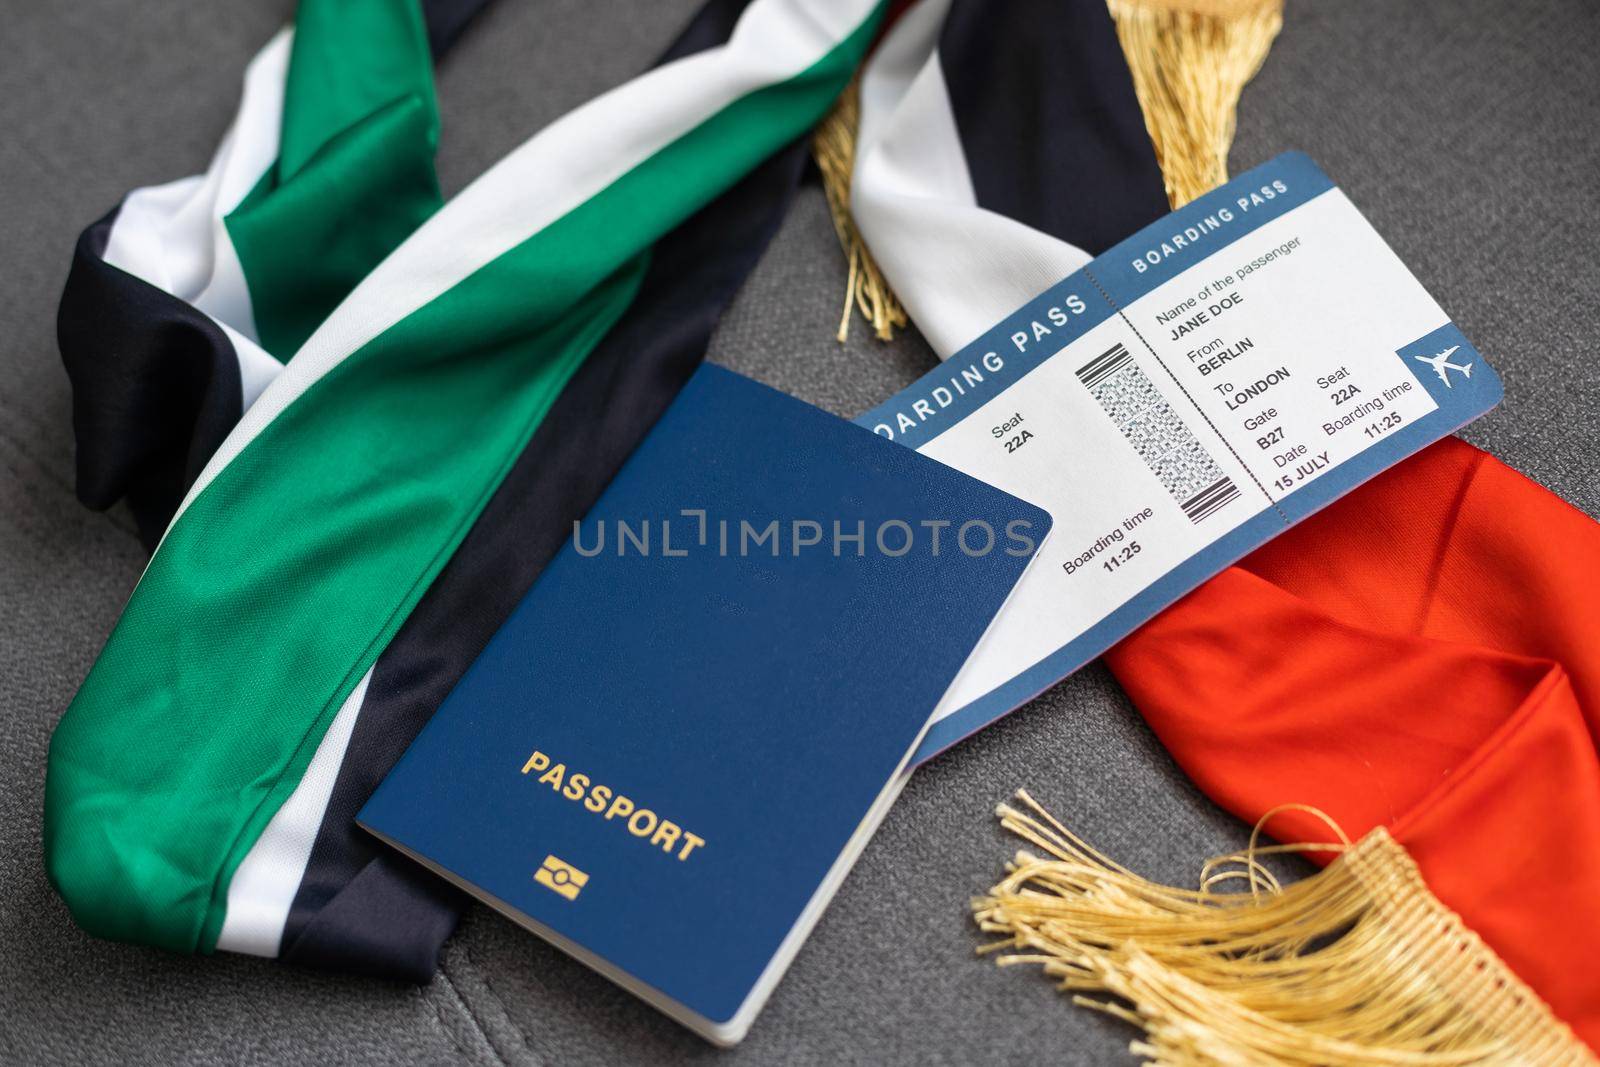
286 575
351 59
354 175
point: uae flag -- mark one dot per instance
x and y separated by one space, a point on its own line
352 377
376 419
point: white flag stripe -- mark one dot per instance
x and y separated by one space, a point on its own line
266 881
956 267
173 236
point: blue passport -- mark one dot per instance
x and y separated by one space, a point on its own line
669 756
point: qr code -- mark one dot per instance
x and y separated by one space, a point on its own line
1163 440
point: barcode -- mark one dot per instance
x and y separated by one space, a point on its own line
1209 499
1163 440
1103 366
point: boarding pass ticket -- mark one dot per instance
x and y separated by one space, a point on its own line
1180 400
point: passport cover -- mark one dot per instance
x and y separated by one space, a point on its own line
754 711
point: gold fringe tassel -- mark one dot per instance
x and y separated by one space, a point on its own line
1190 59
834 148
1357 964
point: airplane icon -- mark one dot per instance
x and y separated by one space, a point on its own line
1442 361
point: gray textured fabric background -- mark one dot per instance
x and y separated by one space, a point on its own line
1466 131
